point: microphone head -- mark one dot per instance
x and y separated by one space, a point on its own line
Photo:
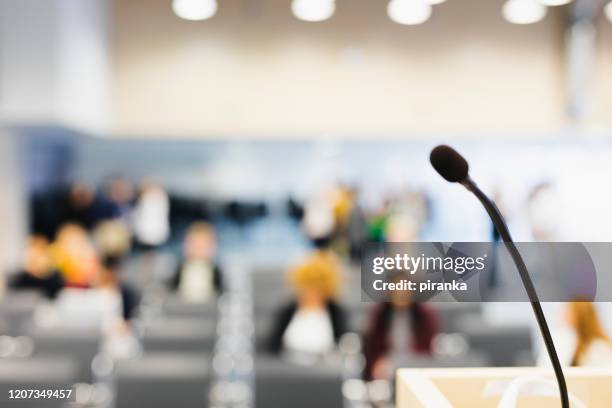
449 164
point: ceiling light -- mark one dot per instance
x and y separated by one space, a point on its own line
523 11
313 10
555 2
608 11
409 12
194 9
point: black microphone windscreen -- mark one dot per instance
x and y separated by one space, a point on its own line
450 164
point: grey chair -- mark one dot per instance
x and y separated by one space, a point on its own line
452 314
79 344
37 373
280 384
174 306
270 290
193 335
471 359
263 330
4 326
17 308
503 344
161 380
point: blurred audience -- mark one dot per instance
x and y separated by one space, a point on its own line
38 271
310 326
198 277
593 346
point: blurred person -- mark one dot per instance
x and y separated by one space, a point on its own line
117 199
401 228
406 217
75 256
310 326
544 212
377 223
112 238
108 304
80 206
197 277
123 300
342 202
108 281
151 217
319 221
398 329
38 271
593 346
356 228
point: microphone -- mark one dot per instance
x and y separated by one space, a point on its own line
455 169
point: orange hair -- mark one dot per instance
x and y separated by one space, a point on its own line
587 326
321 272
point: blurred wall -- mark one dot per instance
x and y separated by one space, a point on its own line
54 66
601 113
13 206
254 69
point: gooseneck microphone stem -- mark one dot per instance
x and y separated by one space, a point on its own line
502 228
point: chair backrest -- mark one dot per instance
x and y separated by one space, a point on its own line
193 335
503 344
80 344
279 383
270 289
17 307
37 373
174 306
159 380
451 314
471 359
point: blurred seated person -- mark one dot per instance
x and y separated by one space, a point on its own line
593 346
112 238
116 200
198 278
398 329
151 217
119 340
318 222
38 272
75 256
108 305
80 205
310 326
108 281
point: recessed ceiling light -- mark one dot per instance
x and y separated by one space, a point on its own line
608 11
194 9
313 10
555 2
523 11
409 12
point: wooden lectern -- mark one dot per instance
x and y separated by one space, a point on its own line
483 387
